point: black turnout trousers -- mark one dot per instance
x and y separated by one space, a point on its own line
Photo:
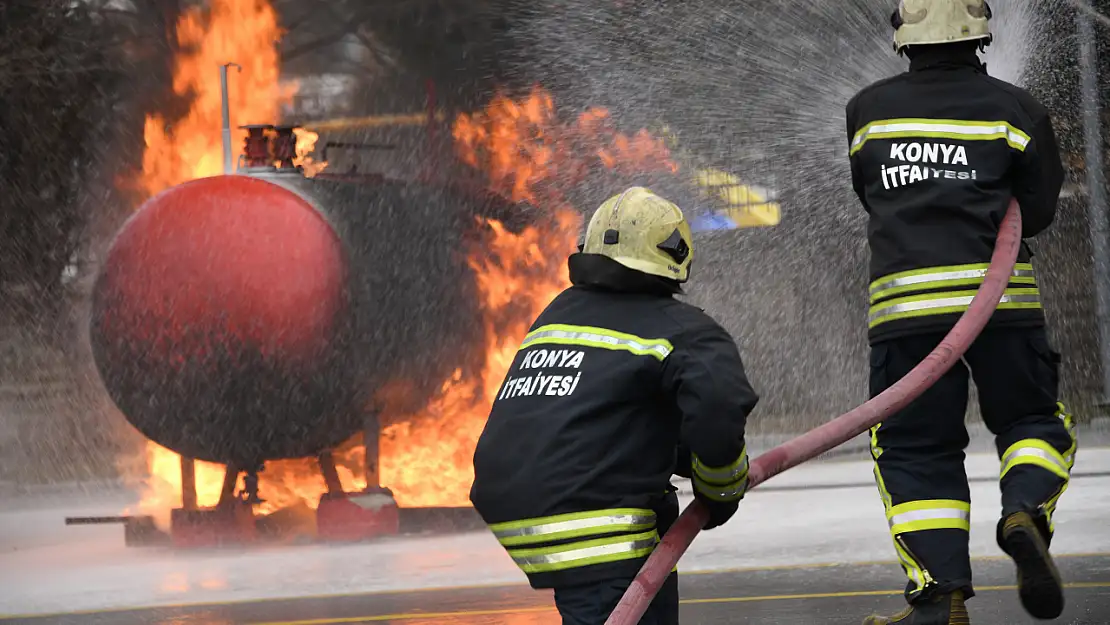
919 452
591 604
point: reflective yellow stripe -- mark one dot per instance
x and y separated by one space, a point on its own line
958 129
930 514
585 553
949 302
1069 424
1049 506
573 525
1038 453
727 483
728 493
877 451
589 336
914 570
943 277
732 472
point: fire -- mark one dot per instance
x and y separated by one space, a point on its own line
244 32
306 142
426 458
281 483
528 155
238 31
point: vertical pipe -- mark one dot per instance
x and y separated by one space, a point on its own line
227 491
370 437
1096 191
188 484
331 475
226 127
229 165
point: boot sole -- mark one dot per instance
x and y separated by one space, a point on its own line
1039 587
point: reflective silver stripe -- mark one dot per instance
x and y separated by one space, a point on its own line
729 493
906 128
572 555
722 475
943 302
941 276
658 349
927 514
578 525
1034 452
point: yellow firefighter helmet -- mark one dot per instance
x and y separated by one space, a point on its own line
642 231
924 22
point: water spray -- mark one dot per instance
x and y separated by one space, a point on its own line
1091 12
841 429
1096 187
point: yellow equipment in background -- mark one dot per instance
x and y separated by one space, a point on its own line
745 205
737 204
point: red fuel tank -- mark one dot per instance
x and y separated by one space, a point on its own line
239 319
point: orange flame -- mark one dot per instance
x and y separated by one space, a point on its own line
427 458
528 155
230 31
306 142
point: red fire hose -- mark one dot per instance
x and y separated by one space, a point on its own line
841 429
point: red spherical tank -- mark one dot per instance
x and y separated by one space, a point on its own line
219 322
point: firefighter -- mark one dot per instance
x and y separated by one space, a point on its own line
616 387
936 155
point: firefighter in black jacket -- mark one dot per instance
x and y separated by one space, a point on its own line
936 155
616 387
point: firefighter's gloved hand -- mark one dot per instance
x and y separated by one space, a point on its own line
719 511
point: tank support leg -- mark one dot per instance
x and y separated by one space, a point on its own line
227 492
250 485
188 484
371 431
331 476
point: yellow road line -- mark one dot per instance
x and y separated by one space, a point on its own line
440 589
411 616
827 565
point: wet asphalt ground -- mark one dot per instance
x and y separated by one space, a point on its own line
834 594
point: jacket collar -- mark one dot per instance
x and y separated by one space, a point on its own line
946 59
594 271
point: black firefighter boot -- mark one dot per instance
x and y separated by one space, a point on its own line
947 609
1039 585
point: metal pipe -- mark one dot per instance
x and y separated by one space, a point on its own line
227 491
1096 191
188 484
228 164
331 475
371 431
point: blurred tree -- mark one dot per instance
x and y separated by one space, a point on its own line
456 43
63 66
76 77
